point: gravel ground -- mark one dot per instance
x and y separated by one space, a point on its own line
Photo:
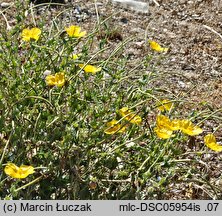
192 67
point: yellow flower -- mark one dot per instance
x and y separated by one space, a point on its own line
164 122
50 80
163 133
165 105
18 172
175 124
155 46
130 116
165 127
90 68
56 80
210 142
60 79
114 127
28 34
187 127
75 31
76 56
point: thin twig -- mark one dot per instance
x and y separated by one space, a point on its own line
8 27
156 3
116 180
28 184
32 14
6 146
209 28
97 13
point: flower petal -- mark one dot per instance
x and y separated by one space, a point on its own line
76 56
155 46
175 124
130 116
164 121
187 127
81 34
18 172
60 79
114 127
90 68
134 119
55 80
75 31
35 33
50 80
124 111
26 36
165 105
210 142
163 133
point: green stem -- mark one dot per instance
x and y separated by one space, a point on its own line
123 144
6 146
30 183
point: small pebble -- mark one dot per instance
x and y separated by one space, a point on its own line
124 20
46 73
5 4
